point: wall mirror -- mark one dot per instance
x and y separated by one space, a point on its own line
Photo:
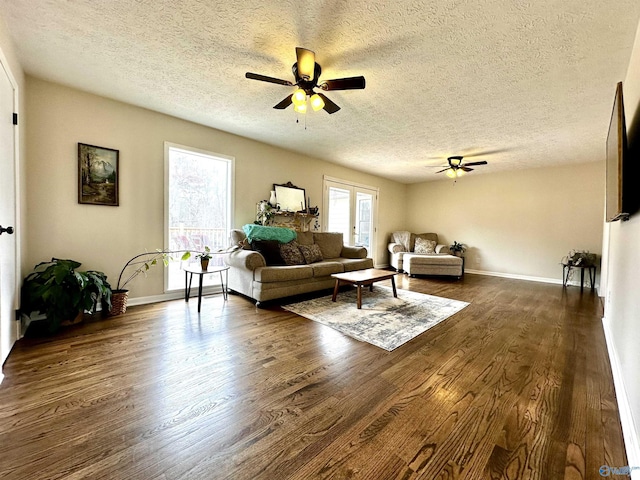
289 197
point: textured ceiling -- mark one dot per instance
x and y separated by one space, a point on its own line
526 83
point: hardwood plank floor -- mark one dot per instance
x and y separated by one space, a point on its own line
515 386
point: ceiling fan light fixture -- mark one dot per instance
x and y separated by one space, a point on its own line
299 97
301 108
455 161
316 102
306 62
459 172
450 172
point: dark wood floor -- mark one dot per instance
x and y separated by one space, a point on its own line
515 386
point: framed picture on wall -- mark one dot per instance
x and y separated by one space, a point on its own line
97 175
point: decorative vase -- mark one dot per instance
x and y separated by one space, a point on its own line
204 263
272 199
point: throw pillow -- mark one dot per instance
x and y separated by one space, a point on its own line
311 253
291 254
270 250
425 246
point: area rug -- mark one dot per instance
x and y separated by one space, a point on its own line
383 321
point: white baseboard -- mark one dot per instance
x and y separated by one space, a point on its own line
174 295
631 440
529 278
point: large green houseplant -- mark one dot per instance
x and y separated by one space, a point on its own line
59 291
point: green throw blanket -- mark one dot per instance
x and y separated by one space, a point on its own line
258 232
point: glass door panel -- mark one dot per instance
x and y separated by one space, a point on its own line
363 229
339 219
350 209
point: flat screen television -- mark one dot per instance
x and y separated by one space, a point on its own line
617 197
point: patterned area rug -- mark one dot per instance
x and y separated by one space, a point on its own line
383 321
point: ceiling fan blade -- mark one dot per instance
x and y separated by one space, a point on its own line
469 164
443 170
329 106
466 169
284 103
349 83
487 152
306 62
264 78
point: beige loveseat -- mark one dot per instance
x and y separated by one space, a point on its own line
405 256
250 275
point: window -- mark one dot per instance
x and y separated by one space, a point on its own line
198 206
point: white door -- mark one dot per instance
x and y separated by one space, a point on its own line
351 209
8 291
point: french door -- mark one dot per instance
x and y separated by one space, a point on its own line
351 209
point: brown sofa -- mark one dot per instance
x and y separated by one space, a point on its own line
250 275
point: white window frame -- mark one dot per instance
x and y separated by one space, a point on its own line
168 146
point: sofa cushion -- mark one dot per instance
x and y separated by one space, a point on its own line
311 253
353 252
283 273
291 254
324 268
305 238
424 246
351 264
330 243
270 250
435 259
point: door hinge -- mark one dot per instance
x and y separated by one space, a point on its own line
15 118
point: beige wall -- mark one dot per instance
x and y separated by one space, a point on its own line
622 302
104 238
517 223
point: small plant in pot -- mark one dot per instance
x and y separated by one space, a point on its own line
204 258
265 213
62 293
457 248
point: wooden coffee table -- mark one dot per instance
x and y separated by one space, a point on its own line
363 277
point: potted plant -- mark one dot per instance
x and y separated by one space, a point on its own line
204 258
579 258
265 213
136 265
457 248
62 293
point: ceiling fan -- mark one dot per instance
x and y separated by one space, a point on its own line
306 73
457 167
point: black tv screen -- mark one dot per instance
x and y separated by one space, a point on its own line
616 153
